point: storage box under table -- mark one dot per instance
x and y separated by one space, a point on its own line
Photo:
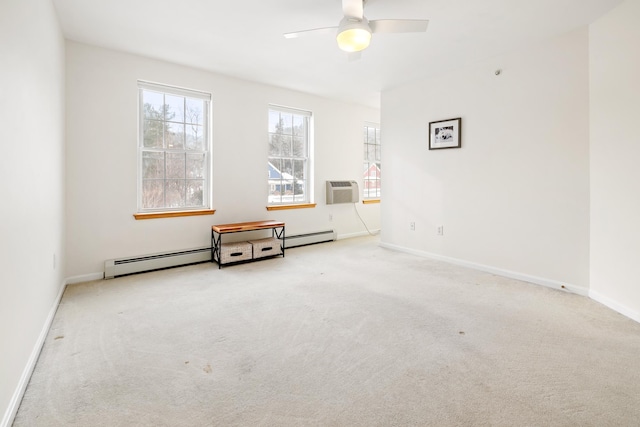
266 247
232 252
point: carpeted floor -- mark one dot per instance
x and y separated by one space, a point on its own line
338 334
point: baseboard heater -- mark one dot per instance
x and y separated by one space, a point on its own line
123 266
309 238
140 264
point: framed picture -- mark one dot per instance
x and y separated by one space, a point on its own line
444 134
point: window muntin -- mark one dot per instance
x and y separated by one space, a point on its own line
372 154
174 153
289 156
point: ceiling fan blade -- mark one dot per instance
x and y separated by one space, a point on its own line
399 25
353 8
313 32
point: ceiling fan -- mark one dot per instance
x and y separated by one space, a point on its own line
354 31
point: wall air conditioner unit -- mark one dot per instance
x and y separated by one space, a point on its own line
342 192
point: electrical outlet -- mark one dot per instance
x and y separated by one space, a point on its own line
440 230
330 217
412 226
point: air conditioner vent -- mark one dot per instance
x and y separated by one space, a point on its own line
342 192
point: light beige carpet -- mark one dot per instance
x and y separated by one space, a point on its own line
338 334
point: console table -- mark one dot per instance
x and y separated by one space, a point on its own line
277 232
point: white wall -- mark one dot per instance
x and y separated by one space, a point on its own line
615 153
515 197
101 158
31 185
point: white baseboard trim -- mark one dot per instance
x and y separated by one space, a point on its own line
497 271
614 305
358 234
14 404
84 278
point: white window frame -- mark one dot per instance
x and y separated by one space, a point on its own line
307 158
206 151
377 147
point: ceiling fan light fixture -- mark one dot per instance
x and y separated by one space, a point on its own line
354 35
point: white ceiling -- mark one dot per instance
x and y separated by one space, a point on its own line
243 38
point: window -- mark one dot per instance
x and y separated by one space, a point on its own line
173 147
289 160
371 175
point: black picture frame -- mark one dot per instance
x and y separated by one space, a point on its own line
445 134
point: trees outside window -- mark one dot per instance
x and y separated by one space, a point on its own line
289 156
174 152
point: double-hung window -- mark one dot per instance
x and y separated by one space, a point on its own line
371 175
289 162
173 149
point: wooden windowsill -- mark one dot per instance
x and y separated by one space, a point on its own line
370 201
155 215
296 206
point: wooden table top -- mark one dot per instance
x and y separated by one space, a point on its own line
246 226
